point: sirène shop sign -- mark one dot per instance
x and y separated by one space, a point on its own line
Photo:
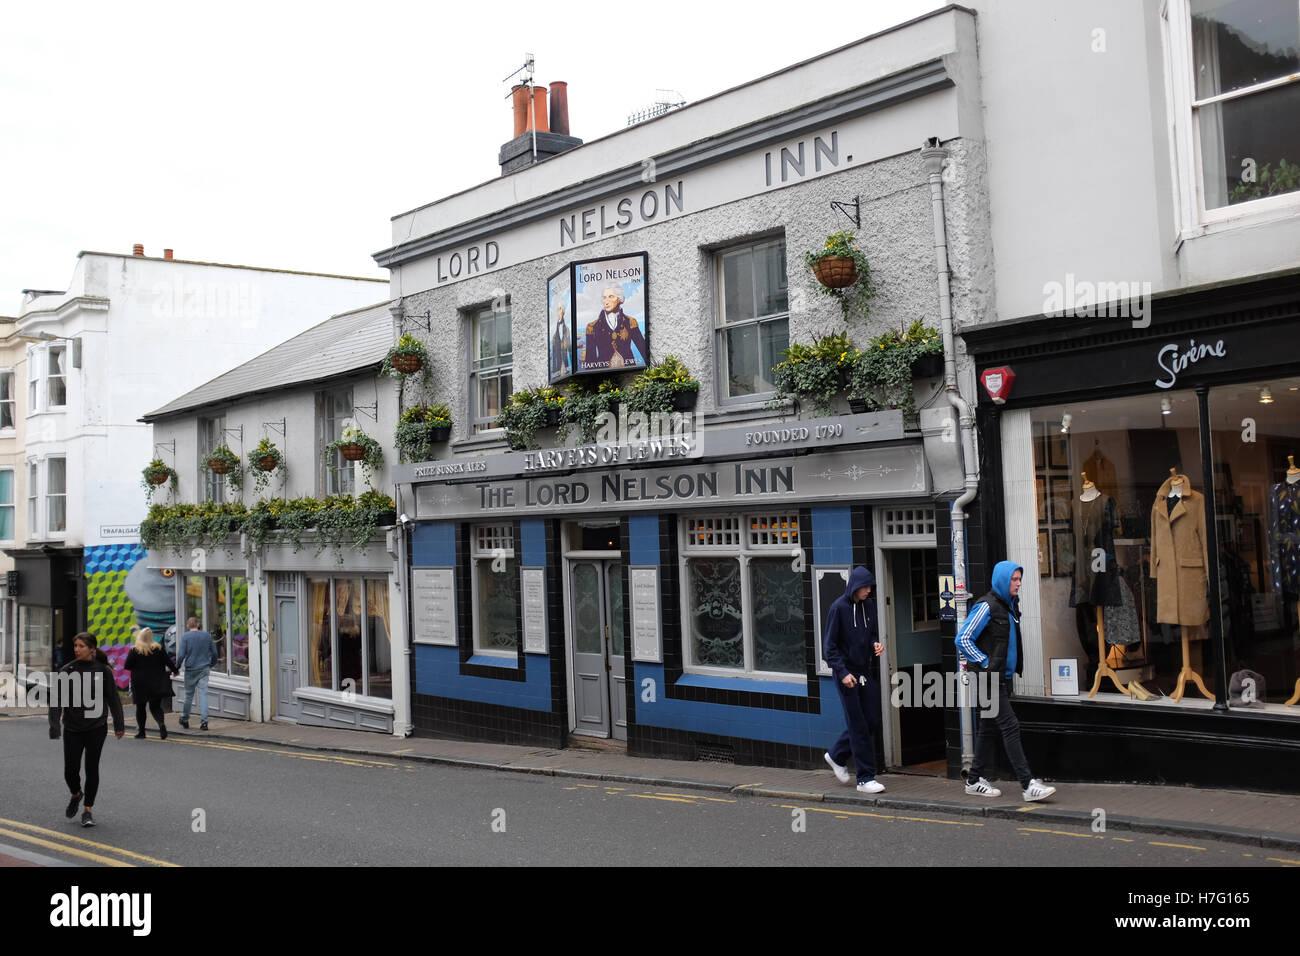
1173 358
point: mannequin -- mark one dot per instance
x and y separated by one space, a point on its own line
1284 542
1096 582
1179 565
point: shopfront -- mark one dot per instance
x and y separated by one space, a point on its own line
1148 483
673 601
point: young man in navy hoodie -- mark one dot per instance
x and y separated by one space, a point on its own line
848 646
989 640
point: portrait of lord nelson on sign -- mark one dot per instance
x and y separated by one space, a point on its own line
559 326
612 306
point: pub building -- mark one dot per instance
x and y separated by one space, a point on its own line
1148 480
667 588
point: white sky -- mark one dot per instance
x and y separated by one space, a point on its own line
287 134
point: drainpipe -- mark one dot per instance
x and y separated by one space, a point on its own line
403 726
933 155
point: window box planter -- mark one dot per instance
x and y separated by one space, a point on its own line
857 406
927 366
684 401
439 433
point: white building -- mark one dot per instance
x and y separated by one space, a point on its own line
130 333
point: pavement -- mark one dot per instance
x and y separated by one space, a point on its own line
1266 820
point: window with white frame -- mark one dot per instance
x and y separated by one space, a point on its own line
56 495
7 504
495 583
753 320
491 371
8 400
56 382
33 499
211 434
333 414
221 606
743 594
349 643
1235 75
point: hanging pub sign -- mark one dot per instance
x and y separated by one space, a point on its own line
559 323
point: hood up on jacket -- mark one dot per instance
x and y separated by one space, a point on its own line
859 577
1002 572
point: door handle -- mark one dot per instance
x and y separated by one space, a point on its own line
289 661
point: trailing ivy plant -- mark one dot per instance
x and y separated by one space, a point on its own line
182 526
414 433
814 373
155 474
346 522
855 298
264 451
527 412
234 467
655 389
586 402
372 459
882 372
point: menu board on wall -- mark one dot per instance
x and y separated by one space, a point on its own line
534 599
644 583
433 606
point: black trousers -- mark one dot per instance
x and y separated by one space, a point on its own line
75 743
155 708
1006 726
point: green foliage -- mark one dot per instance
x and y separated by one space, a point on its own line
182 526
264 449
656 388
814 373
1269 181
882 372
157 469
585 402
527 412
371 461
407 344
235 468
343 521
414 433
853 299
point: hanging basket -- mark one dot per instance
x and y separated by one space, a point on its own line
352 452
156 478
407 364
267 463
218 466
836 272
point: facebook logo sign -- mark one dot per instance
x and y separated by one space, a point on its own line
1063 670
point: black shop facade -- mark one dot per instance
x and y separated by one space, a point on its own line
666 592
1145 474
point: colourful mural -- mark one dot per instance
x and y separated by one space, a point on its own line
123 594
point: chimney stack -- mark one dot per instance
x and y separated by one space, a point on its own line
560 107
167 253
534 138
138 250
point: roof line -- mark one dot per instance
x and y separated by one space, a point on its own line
150 417
230 265
713 96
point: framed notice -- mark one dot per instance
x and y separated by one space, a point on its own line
433 606
644 585
1064 677
533 585
559 324
611 305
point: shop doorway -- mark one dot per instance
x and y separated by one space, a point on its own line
596 636
286 647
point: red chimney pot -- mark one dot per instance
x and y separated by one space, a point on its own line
560 107
520 96
539 110
167 253
138 250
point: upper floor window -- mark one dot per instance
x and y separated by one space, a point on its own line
56 383
47 497
753 318
333 414
1236 70
7 505
492 364
8 401
211 434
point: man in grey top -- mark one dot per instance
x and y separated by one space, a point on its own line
197 654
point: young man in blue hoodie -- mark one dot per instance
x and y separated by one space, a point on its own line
848 646
989 640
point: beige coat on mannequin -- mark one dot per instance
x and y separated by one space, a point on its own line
1178 556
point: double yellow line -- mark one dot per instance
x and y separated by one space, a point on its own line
66 843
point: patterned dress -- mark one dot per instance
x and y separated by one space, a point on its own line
1284 537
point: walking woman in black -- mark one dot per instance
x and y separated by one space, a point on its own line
150 679
84 720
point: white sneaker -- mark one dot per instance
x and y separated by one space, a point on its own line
841 773
870 786
1037 790
982 788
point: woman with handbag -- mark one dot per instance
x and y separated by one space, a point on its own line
151 672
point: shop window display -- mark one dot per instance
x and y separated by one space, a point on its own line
1121 544
1255 443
